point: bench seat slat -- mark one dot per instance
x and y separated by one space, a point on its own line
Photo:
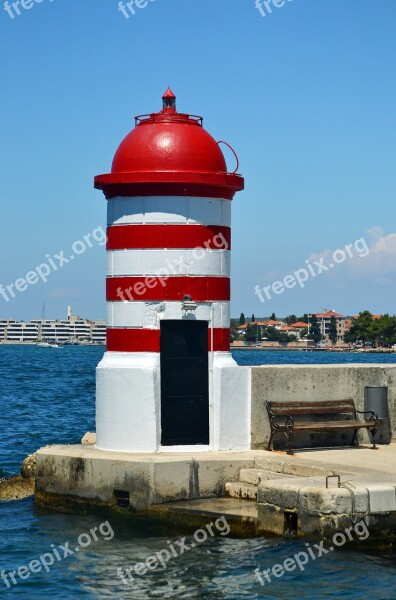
316 426
306 408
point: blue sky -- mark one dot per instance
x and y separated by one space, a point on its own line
306 95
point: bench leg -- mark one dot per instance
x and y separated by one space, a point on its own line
269 447
354 437
289 435
373 432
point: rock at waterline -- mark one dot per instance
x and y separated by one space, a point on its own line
89 438
16 487
20 486
29 466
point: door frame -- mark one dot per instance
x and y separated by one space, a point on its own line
198 447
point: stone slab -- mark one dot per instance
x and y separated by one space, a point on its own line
85 473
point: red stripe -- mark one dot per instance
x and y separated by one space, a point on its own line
133 340
148 340
221 340
123 237
201 289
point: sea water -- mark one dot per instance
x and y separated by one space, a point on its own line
47 396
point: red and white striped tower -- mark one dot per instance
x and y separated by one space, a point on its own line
169 238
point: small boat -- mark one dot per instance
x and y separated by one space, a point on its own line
45 344
40 340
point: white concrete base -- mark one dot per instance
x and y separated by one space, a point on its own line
382 498
128 404
231 404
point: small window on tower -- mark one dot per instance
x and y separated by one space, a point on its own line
169 102
169 99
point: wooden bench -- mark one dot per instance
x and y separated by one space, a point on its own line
284 418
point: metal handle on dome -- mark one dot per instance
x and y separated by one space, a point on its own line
234 153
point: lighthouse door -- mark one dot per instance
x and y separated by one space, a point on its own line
184 383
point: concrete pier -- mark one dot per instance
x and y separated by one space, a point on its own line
264 489
281 493
72 475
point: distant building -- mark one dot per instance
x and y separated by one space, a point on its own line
296 328
260 325
324 319
374 317
72 330
272 323
288 329
4 324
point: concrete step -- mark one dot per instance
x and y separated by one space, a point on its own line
256 476
236 489
291 467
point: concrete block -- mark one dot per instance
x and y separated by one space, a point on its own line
269 464
271 519
86 473
311 496
251 476
255 476
285 383
304 470
382 498
279 493
241 490
325 501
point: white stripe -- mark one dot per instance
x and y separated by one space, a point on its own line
169 209
169 262
150 314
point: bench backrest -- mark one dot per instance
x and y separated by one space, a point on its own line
312 408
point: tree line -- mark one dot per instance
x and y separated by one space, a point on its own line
375 332
365 329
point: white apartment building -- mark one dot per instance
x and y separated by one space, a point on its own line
72 330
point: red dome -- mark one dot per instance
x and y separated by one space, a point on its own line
169 153
162 143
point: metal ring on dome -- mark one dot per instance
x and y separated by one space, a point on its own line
234 153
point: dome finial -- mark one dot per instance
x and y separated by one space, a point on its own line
169 99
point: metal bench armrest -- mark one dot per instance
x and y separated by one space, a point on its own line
288 419
373 416
287 424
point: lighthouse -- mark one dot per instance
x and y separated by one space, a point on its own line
167 381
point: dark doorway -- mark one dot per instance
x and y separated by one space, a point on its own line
184 383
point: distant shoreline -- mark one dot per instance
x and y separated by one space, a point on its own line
334 351
242 348
11 343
